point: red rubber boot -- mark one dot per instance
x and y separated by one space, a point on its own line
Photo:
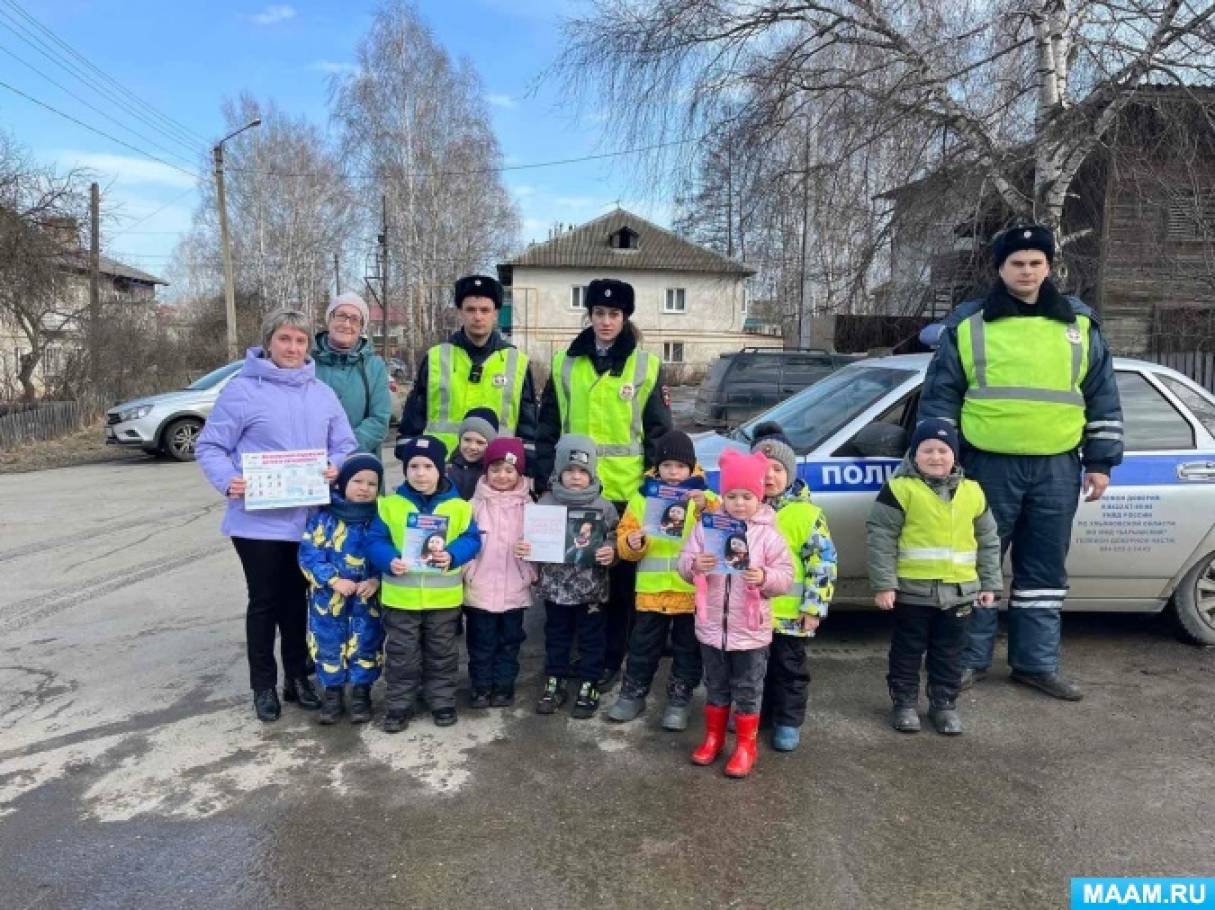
715 735
746 728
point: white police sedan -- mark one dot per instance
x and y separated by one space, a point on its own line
1147 544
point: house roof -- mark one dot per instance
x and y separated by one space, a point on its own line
78 260
657 249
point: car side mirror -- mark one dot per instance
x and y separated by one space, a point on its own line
881 440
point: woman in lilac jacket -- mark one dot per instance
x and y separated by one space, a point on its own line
274 404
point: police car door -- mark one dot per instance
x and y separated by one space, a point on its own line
1127 546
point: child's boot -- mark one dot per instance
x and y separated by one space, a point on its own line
587 702
553 696
502 697
903 716
746 727
480 697
785 738
675 717
395 721
628 705
943 712
360 704
332 703
715 735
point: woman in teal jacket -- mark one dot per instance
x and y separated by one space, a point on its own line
346 363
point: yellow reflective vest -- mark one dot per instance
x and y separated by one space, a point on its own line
937 542
657 571
421 590
1023 380
794 521
450 393
608 409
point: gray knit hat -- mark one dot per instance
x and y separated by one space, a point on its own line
772 441
577 451
482 421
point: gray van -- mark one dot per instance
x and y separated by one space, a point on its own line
743 383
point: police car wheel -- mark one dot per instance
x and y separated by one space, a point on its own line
1194 602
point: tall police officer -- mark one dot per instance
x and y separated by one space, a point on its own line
475 368
604 386
1027 373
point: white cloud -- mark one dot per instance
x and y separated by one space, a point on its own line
333 67
273 14
522 190
501 100
126 168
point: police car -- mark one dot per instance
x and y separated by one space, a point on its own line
1147 544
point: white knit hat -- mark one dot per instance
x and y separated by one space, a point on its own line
349 299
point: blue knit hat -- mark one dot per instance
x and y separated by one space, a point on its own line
360 461
424 446
934 428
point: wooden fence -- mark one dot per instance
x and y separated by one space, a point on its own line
1198 365
45 420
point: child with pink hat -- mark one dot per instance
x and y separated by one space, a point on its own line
733 612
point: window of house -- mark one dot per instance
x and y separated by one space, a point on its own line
676 301
576 296
1150 420
672 352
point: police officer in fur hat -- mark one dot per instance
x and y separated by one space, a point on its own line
1026 375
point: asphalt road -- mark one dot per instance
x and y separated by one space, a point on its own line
133 774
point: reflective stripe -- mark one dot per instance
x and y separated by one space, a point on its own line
1021 393
1040 592
444 415
621 451
508 389
640 368
424 580
978 344
567 375
1099 424
1035 604
1114 436
961 557
797 590
442 426
1077 364
656 564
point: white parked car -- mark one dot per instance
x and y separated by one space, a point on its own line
1148 544
171 421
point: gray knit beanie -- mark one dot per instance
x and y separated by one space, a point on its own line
482 421
577 451
772 441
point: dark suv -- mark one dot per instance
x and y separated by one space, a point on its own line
743 383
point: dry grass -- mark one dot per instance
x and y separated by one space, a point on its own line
86 446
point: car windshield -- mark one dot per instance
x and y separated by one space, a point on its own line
823 409
215 376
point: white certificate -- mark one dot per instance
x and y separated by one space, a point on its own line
544 529
282 480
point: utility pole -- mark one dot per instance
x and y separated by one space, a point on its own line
801 299
337 277
94 286
384 276
229 282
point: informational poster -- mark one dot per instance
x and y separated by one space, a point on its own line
283 480
726 538
425 540
562 534
666 509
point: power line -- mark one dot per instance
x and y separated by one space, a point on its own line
127 230
476 171
93 129
191 138
91 106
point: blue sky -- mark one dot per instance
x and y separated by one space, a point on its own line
184 57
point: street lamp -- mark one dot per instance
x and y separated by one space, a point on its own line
229 282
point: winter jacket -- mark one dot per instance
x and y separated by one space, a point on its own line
730 614
496 580
655 416
413 414
268 409
885 524
333 548
360 381
945 383
673 602
465 474
819 563
570 584
381 550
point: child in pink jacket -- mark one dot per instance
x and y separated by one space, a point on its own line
733 613
497 584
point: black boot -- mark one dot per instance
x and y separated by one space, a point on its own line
265 703
1052 684
360 704
479 698
587 702
302 692
553 696
943 712
331 705
396 721
502 697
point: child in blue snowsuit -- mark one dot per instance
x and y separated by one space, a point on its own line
345 630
